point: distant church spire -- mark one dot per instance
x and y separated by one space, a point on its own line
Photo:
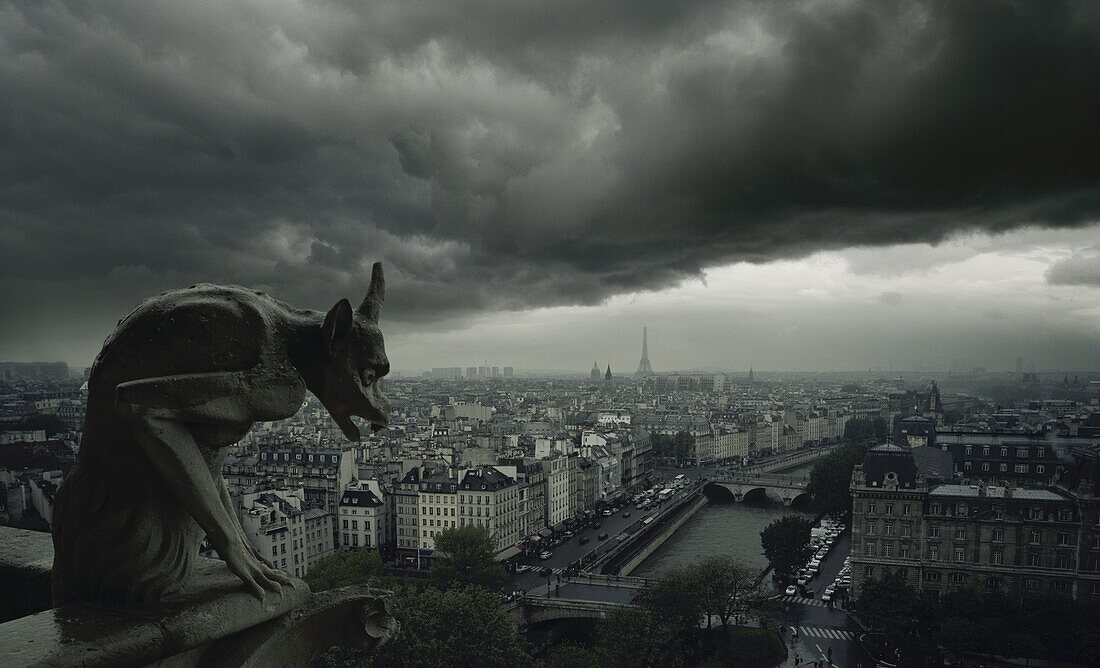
644 367
750 374
607 376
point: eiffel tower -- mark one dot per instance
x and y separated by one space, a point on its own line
644 368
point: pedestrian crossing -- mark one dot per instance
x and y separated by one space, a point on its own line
803 600
831 634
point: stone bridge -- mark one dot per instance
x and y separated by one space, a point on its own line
581 597
788 488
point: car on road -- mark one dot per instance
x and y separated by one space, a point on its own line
802 579
791 590
584 540
602 536
827 596
626 514
607 513
523 568
545 554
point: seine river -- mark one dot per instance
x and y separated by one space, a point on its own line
721 528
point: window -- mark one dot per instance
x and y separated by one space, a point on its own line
870 508
998 513
1033 560
992 584
908 508
985 466
906 529
1021 453
961 509
960 533
1060 586
345 524
889 528
966 466
905 550
869 571
274 550
960 554
1021 468
1062 561
1004 452
1004 467
969 449
1039 468
871 528
934 509
958 578
1065 515
934 552
1035 514
998 535
889 509
934 531
1031 583
985 450
997 557
932 576
1063 538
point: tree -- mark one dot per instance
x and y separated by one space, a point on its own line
831 478
727 589
568 655
344 569
462 626
858 429
786 543
683 443
662 628
465 557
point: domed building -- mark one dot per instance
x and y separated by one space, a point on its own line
595 373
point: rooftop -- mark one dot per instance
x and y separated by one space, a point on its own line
1026 493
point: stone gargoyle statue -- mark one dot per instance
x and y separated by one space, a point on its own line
183 377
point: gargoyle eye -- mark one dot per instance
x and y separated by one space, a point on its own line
367 375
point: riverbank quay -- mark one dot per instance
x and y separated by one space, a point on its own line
629 551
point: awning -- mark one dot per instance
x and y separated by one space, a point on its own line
507 553
545 532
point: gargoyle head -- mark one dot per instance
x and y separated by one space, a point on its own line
355 360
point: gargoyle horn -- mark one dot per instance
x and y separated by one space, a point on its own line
376 294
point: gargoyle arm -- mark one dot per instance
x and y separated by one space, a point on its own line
159 410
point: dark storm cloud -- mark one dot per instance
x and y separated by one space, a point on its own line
510 155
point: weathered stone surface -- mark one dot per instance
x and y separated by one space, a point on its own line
26 558
183 377
214 607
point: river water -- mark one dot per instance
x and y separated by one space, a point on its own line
721 528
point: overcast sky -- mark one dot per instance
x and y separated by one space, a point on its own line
817 185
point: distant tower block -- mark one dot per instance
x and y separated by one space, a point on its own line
750 375
644 367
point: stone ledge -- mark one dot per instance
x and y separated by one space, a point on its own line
26 560
216 607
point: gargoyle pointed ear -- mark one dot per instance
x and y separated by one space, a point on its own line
376 294
337 324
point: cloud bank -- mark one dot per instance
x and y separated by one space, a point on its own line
506 156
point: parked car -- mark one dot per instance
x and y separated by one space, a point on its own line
607 512
827 596
626 514
523 568
791 590
584 539
545 554
602 536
